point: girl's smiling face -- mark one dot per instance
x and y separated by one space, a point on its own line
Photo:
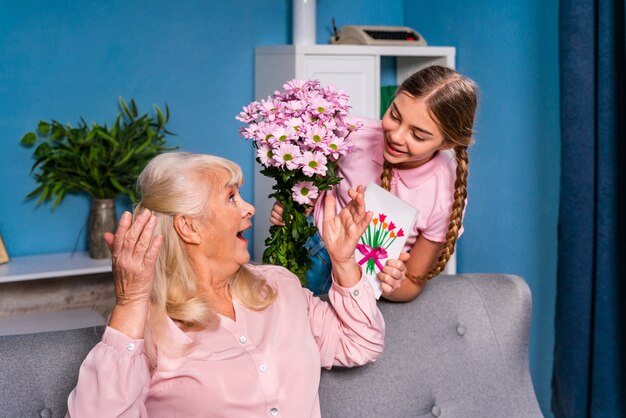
411 135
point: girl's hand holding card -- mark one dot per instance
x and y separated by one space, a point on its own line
384 239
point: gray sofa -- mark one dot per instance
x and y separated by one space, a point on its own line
459 350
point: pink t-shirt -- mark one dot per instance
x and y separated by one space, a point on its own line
429 187
264 364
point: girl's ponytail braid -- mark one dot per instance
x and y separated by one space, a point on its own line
456 217
385 176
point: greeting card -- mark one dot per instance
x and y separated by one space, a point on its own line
385 235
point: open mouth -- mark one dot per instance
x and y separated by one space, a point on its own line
240 233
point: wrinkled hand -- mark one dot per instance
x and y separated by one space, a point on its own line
342 231
276 217
133 256
393 274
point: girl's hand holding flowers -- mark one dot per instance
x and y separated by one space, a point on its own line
276 216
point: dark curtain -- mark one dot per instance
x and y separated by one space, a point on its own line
590 350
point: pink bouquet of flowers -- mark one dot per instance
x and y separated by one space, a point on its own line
299 135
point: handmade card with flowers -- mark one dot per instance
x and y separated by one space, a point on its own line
385 235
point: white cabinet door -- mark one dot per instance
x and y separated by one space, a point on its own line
359 76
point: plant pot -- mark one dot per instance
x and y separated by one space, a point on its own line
101 219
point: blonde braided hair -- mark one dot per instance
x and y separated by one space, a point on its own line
452 100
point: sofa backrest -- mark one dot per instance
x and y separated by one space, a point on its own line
38 371
459 350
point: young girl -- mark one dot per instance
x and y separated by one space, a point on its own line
418 153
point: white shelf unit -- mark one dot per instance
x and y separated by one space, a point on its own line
355 69
50 266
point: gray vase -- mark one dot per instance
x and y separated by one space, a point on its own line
101 219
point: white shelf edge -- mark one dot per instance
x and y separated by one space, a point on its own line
47 266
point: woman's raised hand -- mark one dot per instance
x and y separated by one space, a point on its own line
341 234
134 253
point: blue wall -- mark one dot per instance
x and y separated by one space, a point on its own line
68 59
65 59
510 49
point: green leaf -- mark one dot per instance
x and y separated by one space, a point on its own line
119 187
29 139
126 157
125 108
59 199
42 150
43 128
160 116
133 107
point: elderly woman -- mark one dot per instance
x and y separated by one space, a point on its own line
196 330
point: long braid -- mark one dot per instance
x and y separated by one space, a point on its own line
456 217
385 176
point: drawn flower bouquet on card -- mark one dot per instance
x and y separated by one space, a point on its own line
385 236
380 234
299 135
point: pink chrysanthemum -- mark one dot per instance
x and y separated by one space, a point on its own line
294 85
265 131
336 147
315 136
271 110
265 154
313 163
288 156
303 192
249 113
294 123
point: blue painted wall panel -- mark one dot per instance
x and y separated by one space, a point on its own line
510 49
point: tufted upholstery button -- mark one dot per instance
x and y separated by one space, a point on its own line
436 411
45 413
461 330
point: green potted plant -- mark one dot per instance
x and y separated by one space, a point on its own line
97 160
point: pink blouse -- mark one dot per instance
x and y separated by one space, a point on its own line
264 364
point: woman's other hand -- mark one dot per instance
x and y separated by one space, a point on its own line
393 274
134 253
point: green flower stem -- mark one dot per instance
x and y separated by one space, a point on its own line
286 244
